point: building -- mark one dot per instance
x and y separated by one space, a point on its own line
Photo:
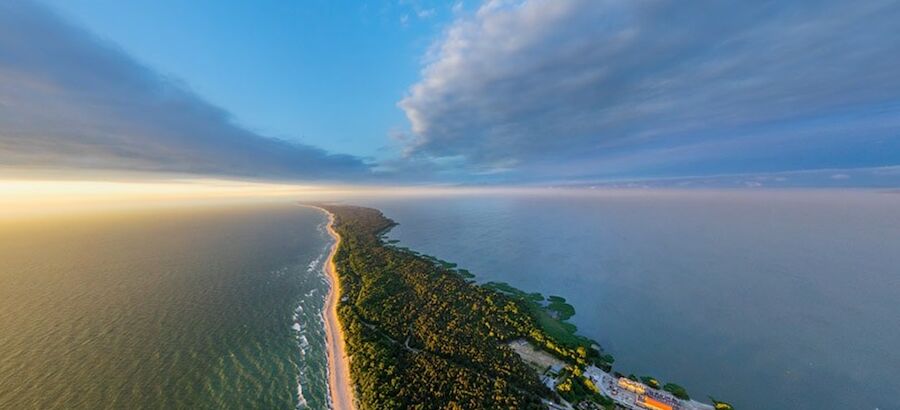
549 381
648 402
632 386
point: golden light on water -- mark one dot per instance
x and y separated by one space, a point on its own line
30 197
24 197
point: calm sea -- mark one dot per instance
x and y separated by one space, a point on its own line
784 300
206 308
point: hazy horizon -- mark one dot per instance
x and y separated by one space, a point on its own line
720 162
469 93
768 301
28 198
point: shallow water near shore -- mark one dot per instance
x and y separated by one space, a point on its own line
203 307
769 300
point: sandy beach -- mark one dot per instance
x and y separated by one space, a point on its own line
339 383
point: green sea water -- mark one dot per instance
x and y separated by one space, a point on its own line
200 308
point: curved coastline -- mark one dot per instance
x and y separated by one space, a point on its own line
340 385
480 346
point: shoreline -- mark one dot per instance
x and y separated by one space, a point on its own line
477 320
340 385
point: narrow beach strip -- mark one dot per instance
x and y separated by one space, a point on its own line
340 385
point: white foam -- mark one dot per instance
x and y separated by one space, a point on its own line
301 401
314 266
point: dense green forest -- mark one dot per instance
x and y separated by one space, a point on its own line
420 335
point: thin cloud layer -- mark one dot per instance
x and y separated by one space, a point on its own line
581 88
71 101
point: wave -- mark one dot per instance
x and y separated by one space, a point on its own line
306 321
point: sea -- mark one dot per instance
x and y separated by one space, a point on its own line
201 307
765 299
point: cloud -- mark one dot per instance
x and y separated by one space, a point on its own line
578 88
861 177
69 100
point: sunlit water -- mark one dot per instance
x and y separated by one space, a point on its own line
769 300
786 300
207 308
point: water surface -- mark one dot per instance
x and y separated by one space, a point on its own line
208 308
784 300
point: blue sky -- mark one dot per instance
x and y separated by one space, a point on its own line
535 92
328 73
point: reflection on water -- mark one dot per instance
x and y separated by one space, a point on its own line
179 308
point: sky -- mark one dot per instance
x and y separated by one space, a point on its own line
591 93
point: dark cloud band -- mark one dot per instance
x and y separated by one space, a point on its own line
586 88
69 100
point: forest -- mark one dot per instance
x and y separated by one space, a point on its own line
421 335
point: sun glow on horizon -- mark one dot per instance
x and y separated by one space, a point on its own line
28 197
33 197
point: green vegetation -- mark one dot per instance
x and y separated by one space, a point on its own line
721 405
464 273
422 335
510 291
650 381
575 388
555 334
677 391
558 305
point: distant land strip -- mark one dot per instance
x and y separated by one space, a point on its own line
421 334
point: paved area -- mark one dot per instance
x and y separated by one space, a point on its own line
609 386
